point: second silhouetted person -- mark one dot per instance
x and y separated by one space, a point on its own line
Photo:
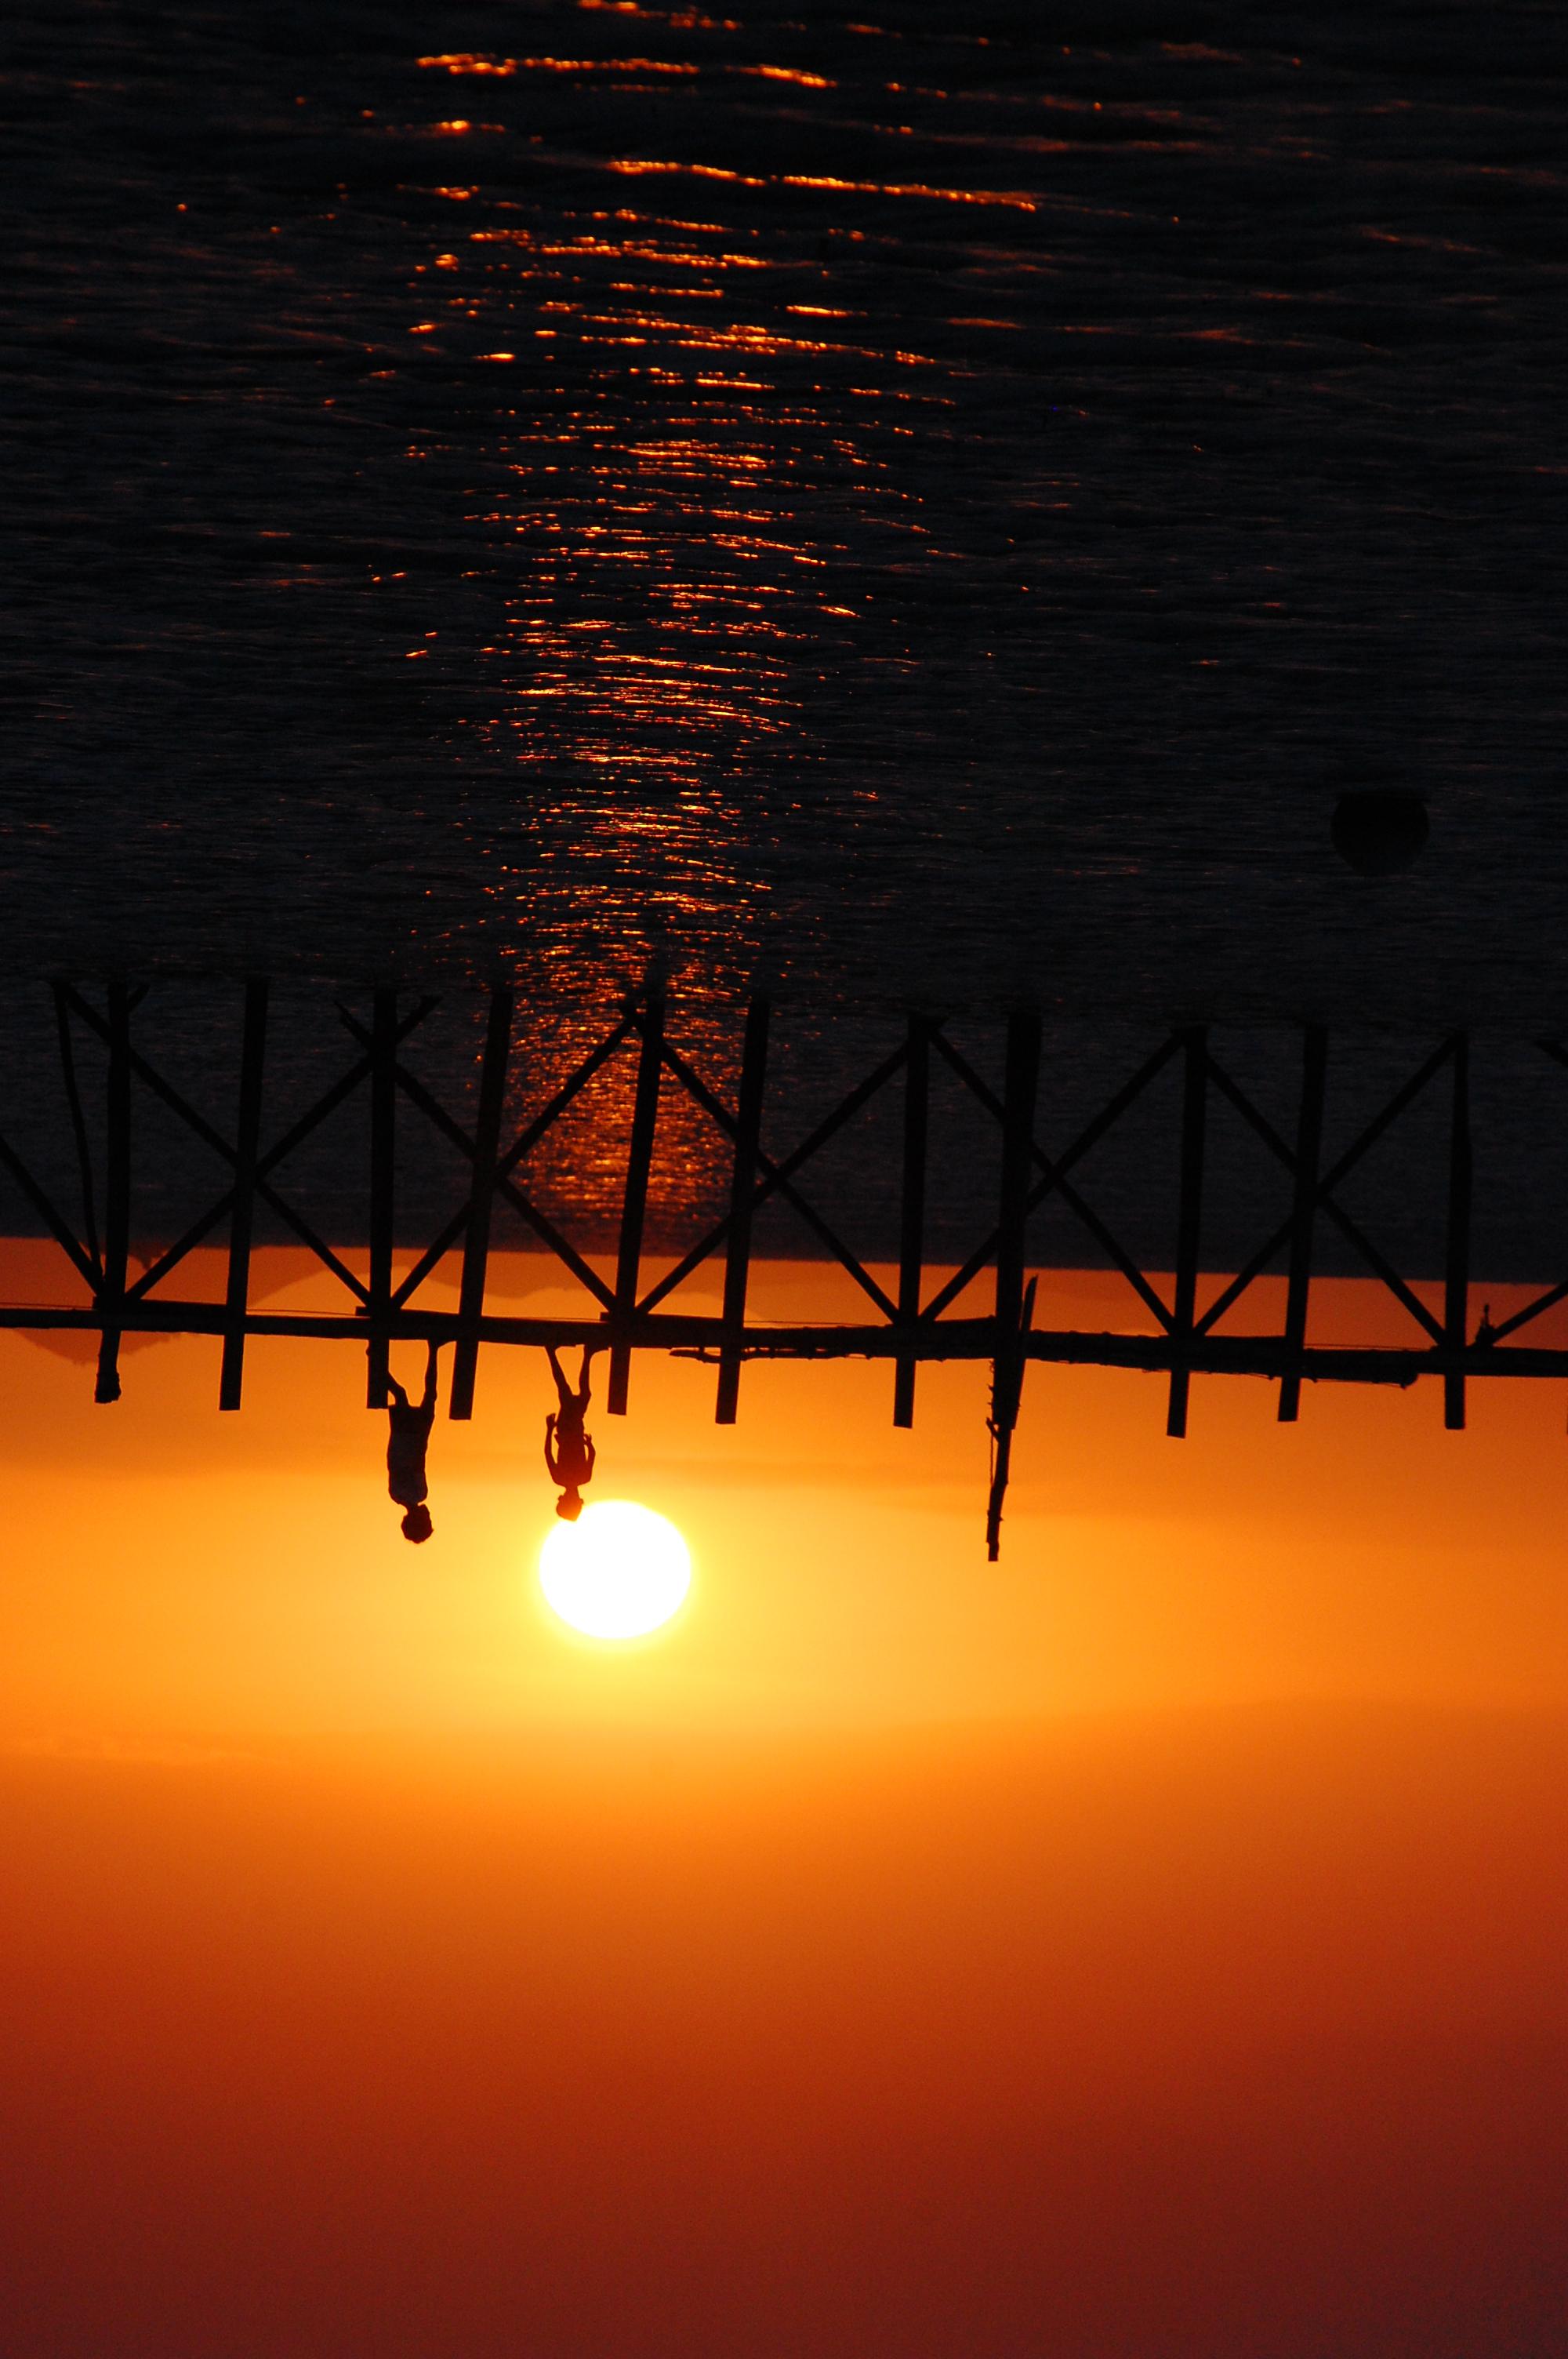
569 1448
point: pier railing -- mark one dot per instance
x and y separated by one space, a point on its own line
920 1318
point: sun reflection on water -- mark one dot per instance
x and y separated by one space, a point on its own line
678 509
769 494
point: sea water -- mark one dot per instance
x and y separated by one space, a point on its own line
926 510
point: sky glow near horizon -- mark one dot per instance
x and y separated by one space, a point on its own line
1363 1554
1189 1884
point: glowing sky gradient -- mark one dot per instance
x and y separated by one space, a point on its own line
1153 1943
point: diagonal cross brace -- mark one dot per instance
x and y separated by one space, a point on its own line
78 1124
476 1245
738 1258
528 1138
697 1087
826 1128
52 1220
1055 1182
1555 1294
298 1131
634 1199
1322 1197
436 1114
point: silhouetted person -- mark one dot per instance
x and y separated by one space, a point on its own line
568 1449
407 1439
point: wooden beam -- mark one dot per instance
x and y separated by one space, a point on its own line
117 1190
1304 1211
383 1178
1189 1222
692 1082
1007 1394
508 1188
78 1124
912 1209
634 1201
1380 1122
481 1201
742 1183
1326 1201
446 1237
1055 1182
701 1335
89 1272
278 1153
771 1177
1019 1090
1017 1147
1543 1302
1109 1114
1456 1269
1381 1266
252 1058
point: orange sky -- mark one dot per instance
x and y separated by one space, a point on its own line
1153 1943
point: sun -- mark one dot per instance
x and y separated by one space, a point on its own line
618 1573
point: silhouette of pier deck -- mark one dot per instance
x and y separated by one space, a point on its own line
918 1321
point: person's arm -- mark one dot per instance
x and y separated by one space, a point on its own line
551 1462
592 1453
399 1397
427 1406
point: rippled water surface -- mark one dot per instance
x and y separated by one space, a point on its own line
933 508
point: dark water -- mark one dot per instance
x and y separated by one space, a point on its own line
935 509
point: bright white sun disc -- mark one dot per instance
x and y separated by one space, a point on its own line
618 1573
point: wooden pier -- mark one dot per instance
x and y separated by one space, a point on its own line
640 1040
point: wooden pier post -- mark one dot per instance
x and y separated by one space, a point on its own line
481 1201
1303 1213
742 1187
903 1332
61 995
1189 1222
634 1202
912 1215
1017 1158
1456 1271
383 1153
1019 1091
247 1146
1007 1395
117 1193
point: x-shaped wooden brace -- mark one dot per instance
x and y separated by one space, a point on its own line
1054 1180
1555 1294
251 1168
1315 1193
491 1173
757 1176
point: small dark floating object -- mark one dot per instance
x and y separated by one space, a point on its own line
1379 830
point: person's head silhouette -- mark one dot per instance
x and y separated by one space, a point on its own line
417 1524
570 1505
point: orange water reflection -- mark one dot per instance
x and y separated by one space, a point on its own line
684 523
